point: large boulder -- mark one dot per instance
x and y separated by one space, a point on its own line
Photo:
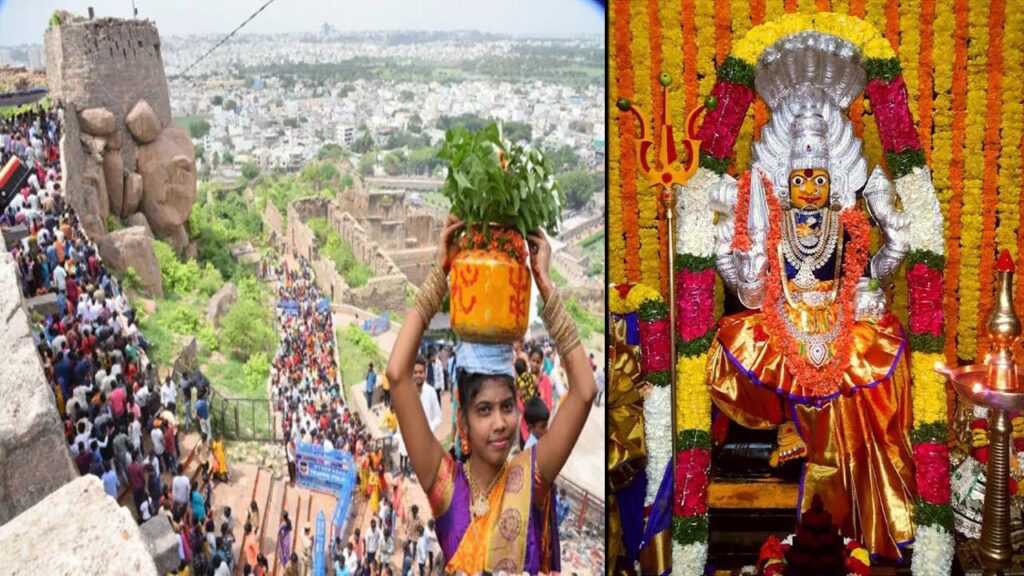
168 169
97 121
34 457
95 534
89 215
133 247
220 303
93 177
143 123
45 305
113 174
139 219
161 542
178 239
132 192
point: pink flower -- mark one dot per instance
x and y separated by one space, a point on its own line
925 300
691 482
695 302
892 114
931 463
654 346
722 125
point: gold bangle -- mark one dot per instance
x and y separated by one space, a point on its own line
431 294
560 325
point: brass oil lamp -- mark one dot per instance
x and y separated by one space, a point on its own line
995 384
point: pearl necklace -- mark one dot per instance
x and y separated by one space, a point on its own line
479 505
807 260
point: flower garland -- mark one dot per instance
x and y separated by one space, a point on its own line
1010 132
926 82
630 218
649 260
972 300
616 237
814 380
956 170
989 195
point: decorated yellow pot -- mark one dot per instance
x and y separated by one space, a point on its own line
490 296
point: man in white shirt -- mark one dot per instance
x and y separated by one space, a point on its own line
428 397
373 541
437 370
167 393
180 488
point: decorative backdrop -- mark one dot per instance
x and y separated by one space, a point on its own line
968 112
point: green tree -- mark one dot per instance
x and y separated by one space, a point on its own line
331 151
347 181
229 158
247 330
563 159
423 161
319 174
231 105
406 96
579 187
366 164
394 162
250 171
363 144
218 100
291 122
199 128
199 151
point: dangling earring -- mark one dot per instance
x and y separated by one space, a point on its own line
463 440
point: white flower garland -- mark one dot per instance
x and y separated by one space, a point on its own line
689 560
920 203
658 430
933 552
695 221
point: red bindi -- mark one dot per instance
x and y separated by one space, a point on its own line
808 172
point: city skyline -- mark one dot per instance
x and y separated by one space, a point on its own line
559 18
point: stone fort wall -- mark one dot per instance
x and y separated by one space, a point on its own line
109 63
385 290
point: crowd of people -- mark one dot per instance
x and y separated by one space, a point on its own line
119 420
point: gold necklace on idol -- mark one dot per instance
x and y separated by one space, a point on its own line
479 505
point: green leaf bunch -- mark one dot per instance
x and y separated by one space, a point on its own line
525 196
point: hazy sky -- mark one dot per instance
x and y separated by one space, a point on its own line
24 21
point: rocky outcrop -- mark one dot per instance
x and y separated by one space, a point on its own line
118 138
161 542
133 247
220 303
77 529
97 121
29 425
132 192
139 219
143 123
113 175
167 166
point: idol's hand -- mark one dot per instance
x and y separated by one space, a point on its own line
751 264
882 206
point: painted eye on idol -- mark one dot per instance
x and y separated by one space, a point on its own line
798 180
821 180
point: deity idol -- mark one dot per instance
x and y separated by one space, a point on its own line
817 354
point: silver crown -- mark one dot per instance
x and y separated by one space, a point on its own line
808 140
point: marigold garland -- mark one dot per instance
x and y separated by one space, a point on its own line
1010 134
627 134
929 389
646 229
817 381
693 405
972 300
989 196
956 170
